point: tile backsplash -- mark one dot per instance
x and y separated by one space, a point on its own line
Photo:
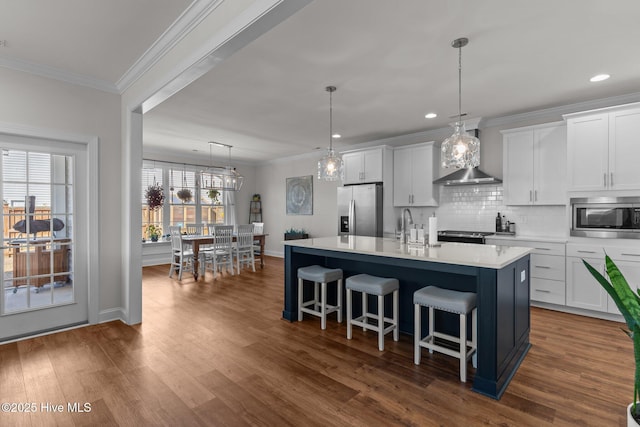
474 207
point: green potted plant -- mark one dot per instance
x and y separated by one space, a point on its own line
628 303
295 234
153 232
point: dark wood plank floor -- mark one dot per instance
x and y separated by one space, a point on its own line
218 353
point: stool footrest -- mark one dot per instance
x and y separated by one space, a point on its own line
429 343
330 309
362 322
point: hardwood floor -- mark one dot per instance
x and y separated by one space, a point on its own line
218 353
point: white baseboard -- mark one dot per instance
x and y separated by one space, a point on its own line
579 311
111 314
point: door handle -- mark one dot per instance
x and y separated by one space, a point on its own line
543 291
587 252
352 217
629 254
535 195
542 266
542 249
604 176
530 196
611 179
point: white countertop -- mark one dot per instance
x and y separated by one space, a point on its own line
487 256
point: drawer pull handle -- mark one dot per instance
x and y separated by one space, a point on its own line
587 252
543 290
542 266
543 249
623 253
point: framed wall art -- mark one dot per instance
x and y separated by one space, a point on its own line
300 195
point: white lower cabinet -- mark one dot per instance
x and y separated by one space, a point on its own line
547 269
583 291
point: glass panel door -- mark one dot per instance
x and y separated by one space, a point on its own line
39 250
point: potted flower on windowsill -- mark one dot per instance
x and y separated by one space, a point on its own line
628 303
153 232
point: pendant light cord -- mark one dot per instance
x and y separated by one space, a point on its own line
459 84
330 89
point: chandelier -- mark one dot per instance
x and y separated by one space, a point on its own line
460 150
220 178
331 166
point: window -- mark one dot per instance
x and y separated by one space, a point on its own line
150 176
178 182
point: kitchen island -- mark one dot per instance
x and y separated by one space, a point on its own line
499 275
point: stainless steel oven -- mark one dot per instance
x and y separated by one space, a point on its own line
607 217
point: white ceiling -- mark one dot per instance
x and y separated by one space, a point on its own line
391 61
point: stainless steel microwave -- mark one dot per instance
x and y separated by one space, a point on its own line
607 217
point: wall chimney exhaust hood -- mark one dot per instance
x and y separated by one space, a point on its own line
469 176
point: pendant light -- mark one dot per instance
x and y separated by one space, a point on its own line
460 150
331 166
220 178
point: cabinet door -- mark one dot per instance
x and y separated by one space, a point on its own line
402 177
583 291
588 152
372 165
624 150
353 168
631 272
422 172
550 159
518 168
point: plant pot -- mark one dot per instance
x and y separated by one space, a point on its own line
295 236
154 238
631 422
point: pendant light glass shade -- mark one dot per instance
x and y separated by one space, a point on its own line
460 150
331 166
220 178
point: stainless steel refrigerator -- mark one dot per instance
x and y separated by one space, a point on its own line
360 210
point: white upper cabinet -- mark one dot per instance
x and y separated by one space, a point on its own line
364 166
534 160
603 149
413 172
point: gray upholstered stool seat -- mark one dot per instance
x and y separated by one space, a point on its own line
457 302
318 305
372 285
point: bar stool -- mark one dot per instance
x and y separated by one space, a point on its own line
372 285
457 302
319 275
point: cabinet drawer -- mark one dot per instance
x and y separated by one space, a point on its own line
585 251
543 248
549 291
547 267
623 254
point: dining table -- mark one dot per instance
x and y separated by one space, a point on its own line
206 239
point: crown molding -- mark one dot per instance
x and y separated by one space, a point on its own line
555 112
57 74
186 22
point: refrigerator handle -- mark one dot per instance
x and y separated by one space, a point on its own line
352 217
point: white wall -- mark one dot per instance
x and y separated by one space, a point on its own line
35 101
271 184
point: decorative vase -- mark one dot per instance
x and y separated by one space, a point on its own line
154 238
631 422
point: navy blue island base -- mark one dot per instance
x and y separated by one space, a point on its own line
502 301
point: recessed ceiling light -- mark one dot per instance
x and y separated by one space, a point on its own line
599 78
336 136
431 115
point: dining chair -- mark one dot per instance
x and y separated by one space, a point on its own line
181 256
243 250
194 229
222 253
258 228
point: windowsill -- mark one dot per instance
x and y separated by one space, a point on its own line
159 242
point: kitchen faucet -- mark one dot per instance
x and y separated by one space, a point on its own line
403 232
